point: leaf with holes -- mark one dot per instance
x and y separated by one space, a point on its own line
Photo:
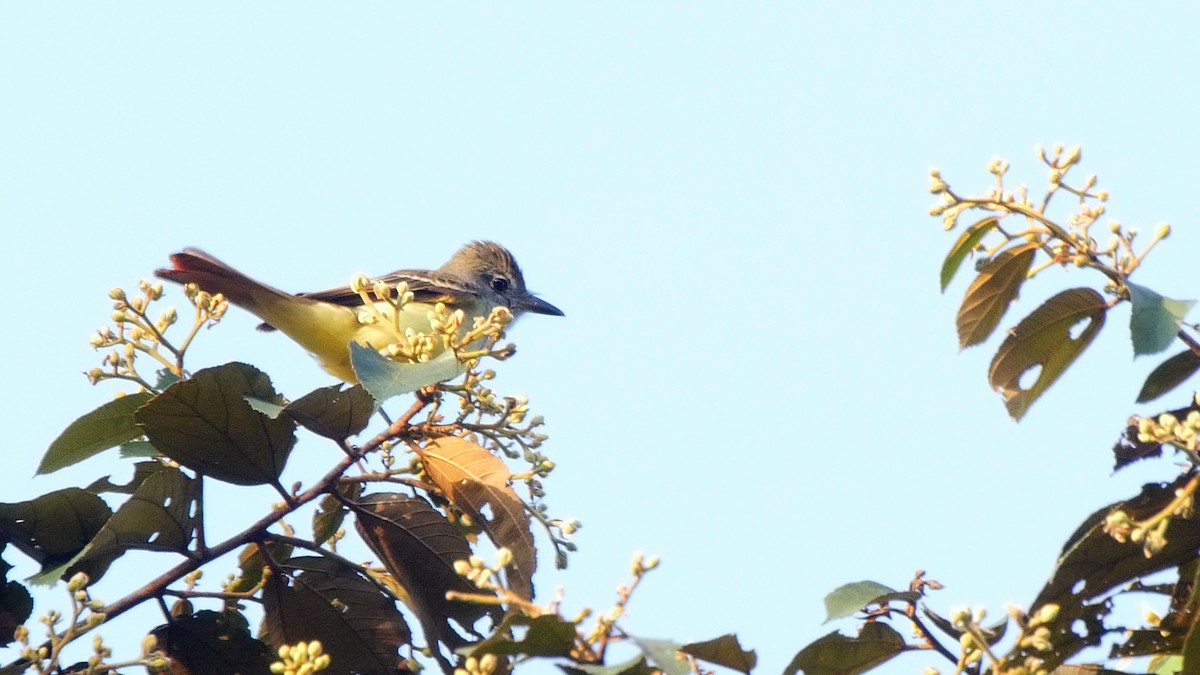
1155 320
837 654
319 598
1093 562
473 479
105 427
419 548
1045 340
205 424
992 292
1169 374
157 517
53 528
963 247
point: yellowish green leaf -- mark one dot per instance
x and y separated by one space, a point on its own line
963 247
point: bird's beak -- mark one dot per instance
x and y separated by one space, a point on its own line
536 305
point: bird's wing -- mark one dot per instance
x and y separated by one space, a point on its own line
425 288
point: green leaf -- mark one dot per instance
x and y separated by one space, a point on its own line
252 562
1044 338
384 378
105 427
141 471
664 654
271 409
53 528
963 247
836 654
723 651
992 292
157 517
847 599
330 513
332 412
546 635
1168 375
138 450
635 666
1155 320
205 424
1168 664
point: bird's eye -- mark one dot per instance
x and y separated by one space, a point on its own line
499 284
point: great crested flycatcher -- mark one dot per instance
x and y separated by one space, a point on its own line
481 276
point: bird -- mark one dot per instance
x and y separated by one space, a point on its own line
479 277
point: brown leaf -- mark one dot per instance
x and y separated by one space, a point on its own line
1044 339
991 293
419 547
473 478
318 598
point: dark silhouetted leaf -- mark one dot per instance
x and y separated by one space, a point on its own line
384 378
1155 320
214 643
963 247
723 651
847 599
1093 562
991 293
330 513
332 412
323 599
663 654
836 654
55 527
419 548
105 427
1168 375
157 517
1044 339
205 424
546 635
16 604
473 478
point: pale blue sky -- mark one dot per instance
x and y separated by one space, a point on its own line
756 379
